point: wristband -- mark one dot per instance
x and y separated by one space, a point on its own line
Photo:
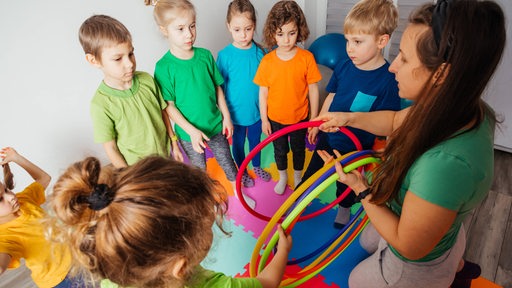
174 138
362 195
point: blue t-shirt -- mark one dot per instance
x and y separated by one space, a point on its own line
238 67
360 91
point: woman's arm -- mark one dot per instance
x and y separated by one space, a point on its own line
381 123
8 154
416 231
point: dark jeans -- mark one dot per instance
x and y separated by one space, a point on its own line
282 147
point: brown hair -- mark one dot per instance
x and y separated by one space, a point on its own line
100 31
8 177
282 13
476 36
162 211
166 10
372 17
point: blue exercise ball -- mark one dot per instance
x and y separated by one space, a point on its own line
329 49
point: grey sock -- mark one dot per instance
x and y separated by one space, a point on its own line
343 215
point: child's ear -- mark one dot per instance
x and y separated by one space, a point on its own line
176 270
92 60
163 30
382 41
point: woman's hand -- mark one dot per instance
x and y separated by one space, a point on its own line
333 120
354 179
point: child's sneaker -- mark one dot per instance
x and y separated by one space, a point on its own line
264 175
247 181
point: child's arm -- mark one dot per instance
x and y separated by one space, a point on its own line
272 274
265 124
197 137
314 99
313 132
114 155
8 154
5 259
176 152
227 125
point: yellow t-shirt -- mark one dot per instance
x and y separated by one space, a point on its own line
24 238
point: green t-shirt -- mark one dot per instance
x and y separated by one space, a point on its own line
456 174
132 117
207 279
191 85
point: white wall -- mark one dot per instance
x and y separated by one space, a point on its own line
47 84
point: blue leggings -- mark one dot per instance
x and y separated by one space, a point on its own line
253 133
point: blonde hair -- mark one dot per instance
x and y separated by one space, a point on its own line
99 31
167 10
161 212
282 13
372 17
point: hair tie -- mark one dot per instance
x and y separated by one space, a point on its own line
439 16
101 196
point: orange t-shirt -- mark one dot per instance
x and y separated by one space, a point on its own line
287 83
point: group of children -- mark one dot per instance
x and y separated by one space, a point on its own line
107 215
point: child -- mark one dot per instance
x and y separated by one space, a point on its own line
285 76
362 83
237 63
127 109
154 219
190 83
22 230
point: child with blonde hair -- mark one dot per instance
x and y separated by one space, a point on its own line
22 230
361 83
127 108
288 77
148 225
237 63
191 84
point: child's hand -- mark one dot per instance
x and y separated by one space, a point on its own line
176 152
285 241
8 154
312 133
227 128
265 127
198 139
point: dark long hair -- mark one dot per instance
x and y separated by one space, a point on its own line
472 43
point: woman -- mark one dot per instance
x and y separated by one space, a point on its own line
438 164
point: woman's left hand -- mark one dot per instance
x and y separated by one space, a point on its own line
354 179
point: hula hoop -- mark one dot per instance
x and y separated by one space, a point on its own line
294 214
302 205
330 241
344 194
269 139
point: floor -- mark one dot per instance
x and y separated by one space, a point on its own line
489 233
